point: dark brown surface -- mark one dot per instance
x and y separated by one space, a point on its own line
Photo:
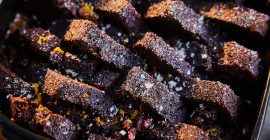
243 18
12 85
76 9
97 137
177 18
61 87
124 13
105 79
76 67
238 61
155 48
144 89
86 36
170 80
20 109
215 93
47 44
55 125
42 41
180 131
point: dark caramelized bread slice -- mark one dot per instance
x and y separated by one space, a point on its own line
20 109
237 61
76 67
191 132
240 17
87 37
105 79
124 13
156 49
151 87
97 137
64 88
231 60
55 125
50 124
12 85
216 94
144 89
175 16
76 8
180 131
41 41
45 43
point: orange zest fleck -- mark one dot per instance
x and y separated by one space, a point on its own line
39 109
59 50
85 95
38 94
99 121
42 39
135 114
122 112
85 117
87 8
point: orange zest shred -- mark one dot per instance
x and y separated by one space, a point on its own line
53 103
122 112
36 89
85 117
42 39
127 123
39 109
135 114
68 112
87 8
85 95
115 121
59 50
99 121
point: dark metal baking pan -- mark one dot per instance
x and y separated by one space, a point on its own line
14 131
262 127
